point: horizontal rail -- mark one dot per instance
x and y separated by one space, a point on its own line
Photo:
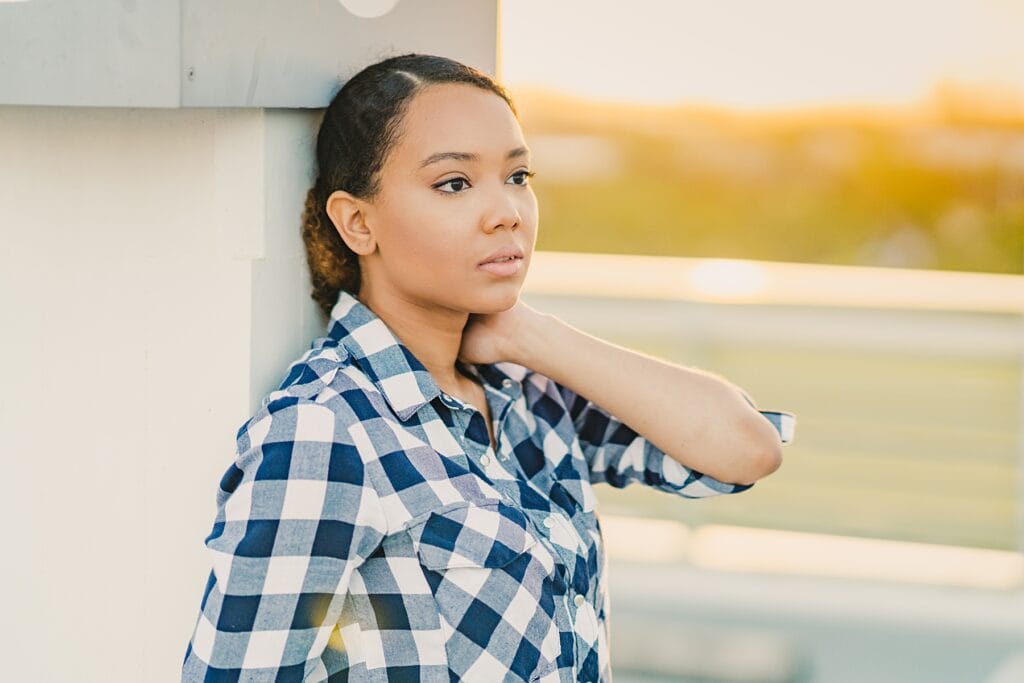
771 282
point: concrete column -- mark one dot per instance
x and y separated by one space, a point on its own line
153 287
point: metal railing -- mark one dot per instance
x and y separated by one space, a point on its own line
909 394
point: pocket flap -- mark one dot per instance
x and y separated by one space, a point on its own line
489 534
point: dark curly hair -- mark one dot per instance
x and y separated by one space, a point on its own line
358 129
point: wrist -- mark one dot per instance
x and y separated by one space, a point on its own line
530 340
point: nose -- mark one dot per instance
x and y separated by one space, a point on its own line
505 213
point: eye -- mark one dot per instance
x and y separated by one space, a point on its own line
448 182
525 174
463 182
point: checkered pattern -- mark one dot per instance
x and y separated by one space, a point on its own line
367 531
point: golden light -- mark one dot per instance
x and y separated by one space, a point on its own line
782 54
728 279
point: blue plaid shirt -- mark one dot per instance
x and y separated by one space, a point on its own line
367 531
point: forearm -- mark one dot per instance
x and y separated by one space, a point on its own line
694 416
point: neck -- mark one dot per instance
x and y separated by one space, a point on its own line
432 334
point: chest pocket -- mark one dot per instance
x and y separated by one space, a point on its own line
488 535
495 585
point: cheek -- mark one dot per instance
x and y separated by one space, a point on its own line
530 214
428 242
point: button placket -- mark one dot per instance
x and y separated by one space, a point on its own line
460 426
507 403
469 412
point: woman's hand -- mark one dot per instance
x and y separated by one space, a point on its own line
495 337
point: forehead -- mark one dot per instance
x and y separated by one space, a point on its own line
456 117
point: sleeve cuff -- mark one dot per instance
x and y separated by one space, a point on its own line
783 421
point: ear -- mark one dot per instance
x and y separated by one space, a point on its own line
347 213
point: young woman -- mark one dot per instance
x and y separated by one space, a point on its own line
414 502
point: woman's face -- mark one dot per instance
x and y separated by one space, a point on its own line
438 217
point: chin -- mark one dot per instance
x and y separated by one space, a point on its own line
497 300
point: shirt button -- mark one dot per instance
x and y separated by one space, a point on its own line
506 383
485 460
549 521
579 600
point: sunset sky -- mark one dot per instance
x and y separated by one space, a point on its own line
750 54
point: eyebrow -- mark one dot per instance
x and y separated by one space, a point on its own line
467 156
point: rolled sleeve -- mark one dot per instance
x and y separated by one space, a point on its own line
619 456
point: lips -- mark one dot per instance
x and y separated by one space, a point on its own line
503 254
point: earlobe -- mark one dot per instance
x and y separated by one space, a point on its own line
346 213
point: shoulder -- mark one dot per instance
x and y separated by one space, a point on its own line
323 393
303 430
314 368
535 385
543 396
531 381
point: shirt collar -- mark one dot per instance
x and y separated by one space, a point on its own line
404 381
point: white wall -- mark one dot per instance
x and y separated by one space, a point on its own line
153 287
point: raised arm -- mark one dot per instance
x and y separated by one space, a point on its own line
697 418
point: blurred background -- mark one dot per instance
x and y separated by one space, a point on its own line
823 203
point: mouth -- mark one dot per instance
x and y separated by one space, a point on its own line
506 254
509 265
504 259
